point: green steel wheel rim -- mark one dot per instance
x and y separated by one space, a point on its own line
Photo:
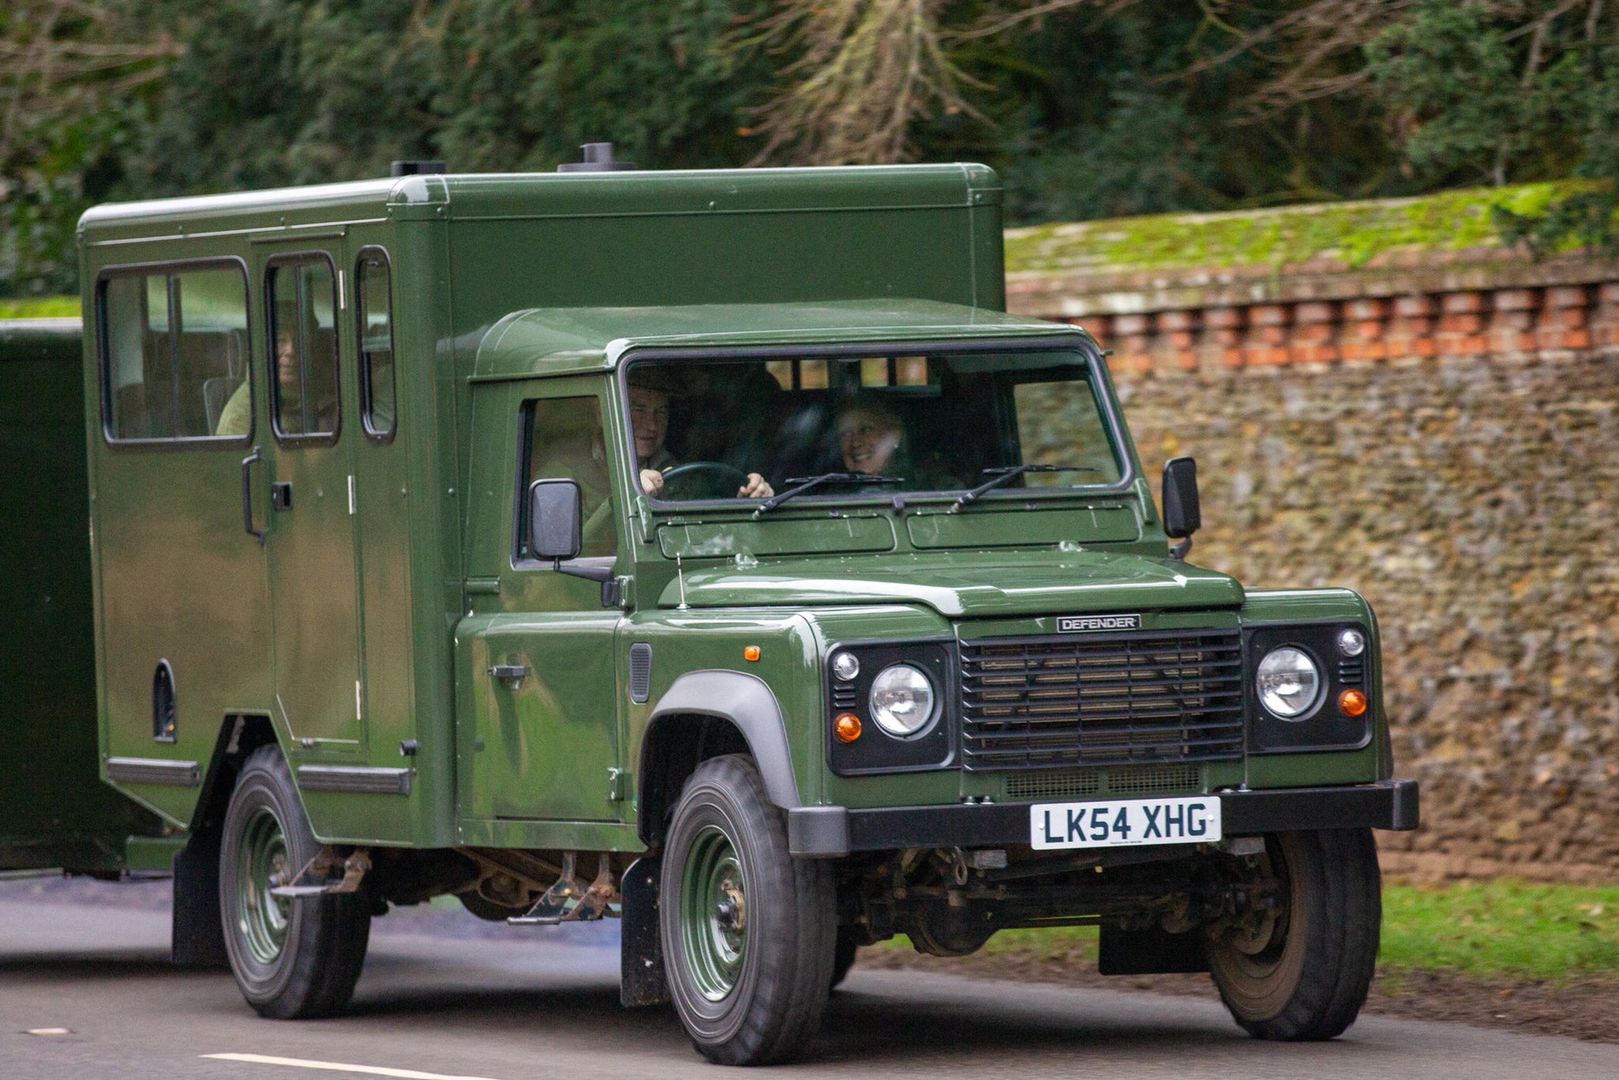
713 913
261 919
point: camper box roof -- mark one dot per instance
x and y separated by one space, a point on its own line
550 195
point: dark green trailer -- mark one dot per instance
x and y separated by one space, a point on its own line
54 810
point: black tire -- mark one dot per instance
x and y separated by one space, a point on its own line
843 957
291 958
1304 974
749 991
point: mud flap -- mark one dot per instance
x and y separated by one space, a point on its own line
198 936
641 980
1150 952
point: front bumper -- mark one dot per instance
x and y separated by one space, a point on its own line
831 831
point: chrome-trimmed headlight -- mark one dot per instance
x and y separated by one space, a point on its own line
904 702
1289 682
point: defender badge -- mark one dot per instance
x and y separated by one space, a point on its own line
1090 624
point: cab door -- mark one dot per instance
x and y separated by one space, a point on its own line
547 701
310 539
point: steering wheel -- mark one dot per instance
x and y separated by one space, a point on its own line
704 477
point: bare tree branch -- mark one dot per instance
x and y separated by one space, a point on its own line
61 58
865 70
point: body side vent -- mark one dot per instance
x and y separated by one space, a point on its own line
640 672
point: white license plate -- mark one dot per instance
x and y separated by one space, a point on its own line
1126 823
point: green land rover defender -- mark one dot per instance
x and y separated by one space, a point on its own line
707 550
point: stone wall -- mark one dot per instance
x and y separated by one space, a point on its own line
1441 434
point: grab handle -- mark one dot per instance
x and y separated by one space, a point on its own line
247 495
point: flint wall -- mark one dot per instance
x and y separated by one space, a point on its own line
1440 431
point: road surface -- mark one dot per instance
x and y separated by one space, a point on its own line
86 991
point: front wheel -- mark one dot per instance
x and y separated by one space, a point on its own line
291 958
843 956
1296 964
748 931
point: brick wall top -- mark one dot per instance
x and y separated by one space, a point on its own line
1327 252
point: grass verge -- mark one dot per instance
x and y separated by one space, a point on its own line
1501 930
40 307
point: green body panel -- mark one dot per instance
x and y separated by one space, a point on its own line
54 812
970 583
508 289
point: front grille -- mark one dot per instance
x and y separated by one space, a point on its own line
1127 780
1058 702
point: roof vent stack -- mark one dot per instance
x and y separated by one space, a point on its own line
416 168
596 157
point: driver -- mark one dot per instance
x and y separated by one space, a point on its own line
649 421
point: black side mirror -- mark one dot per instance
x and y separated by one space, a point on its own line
1183 514
553 519
554 532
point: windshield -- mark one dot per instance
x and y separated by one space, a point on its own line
880 425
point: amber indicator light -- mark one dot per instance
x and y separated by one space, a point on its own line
751 653
1352 703
846 727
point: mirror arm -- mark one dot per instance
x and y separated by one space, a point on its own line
612 590
1180 550
589 573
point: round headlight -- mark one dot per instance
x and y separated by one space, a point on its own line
1289 683
902 700
845 666
1351 642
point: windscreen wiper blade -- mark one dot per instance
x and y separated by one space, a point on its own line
801 484
1000 477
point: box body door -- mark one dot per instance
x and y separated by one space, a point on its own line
314 594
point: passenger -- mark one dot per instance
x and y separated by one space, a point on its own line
870 435
872 439
236 418
649 422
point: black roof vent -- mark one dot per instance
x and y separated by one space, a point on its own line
416 168
597 157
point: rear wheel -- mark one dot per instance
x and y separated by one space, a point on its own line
1297 965
748 931
291 958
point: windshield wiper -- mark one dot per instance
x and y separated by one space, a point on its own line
810 483
1000 477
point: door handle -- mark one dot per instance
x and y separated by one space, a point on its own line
247 495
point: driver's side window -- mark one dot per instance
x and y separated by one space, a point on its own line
563 440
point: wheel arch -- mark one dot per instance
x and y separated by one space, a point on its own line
702 715
239 736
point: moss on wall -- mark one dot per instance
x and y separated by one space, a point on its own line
1352 233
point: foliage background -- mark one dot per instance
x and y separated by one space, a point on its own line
1089 108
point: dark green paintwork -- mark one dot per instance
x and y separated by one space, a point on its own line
514 288
53 810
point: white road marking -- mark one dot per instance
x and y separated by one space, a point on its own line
48 1031
338 1066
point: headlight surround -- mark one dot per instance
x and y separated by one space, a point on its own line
1289 682
903 700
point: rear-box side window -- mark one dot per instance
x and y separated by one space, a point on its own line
375 320
174 352
303 347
